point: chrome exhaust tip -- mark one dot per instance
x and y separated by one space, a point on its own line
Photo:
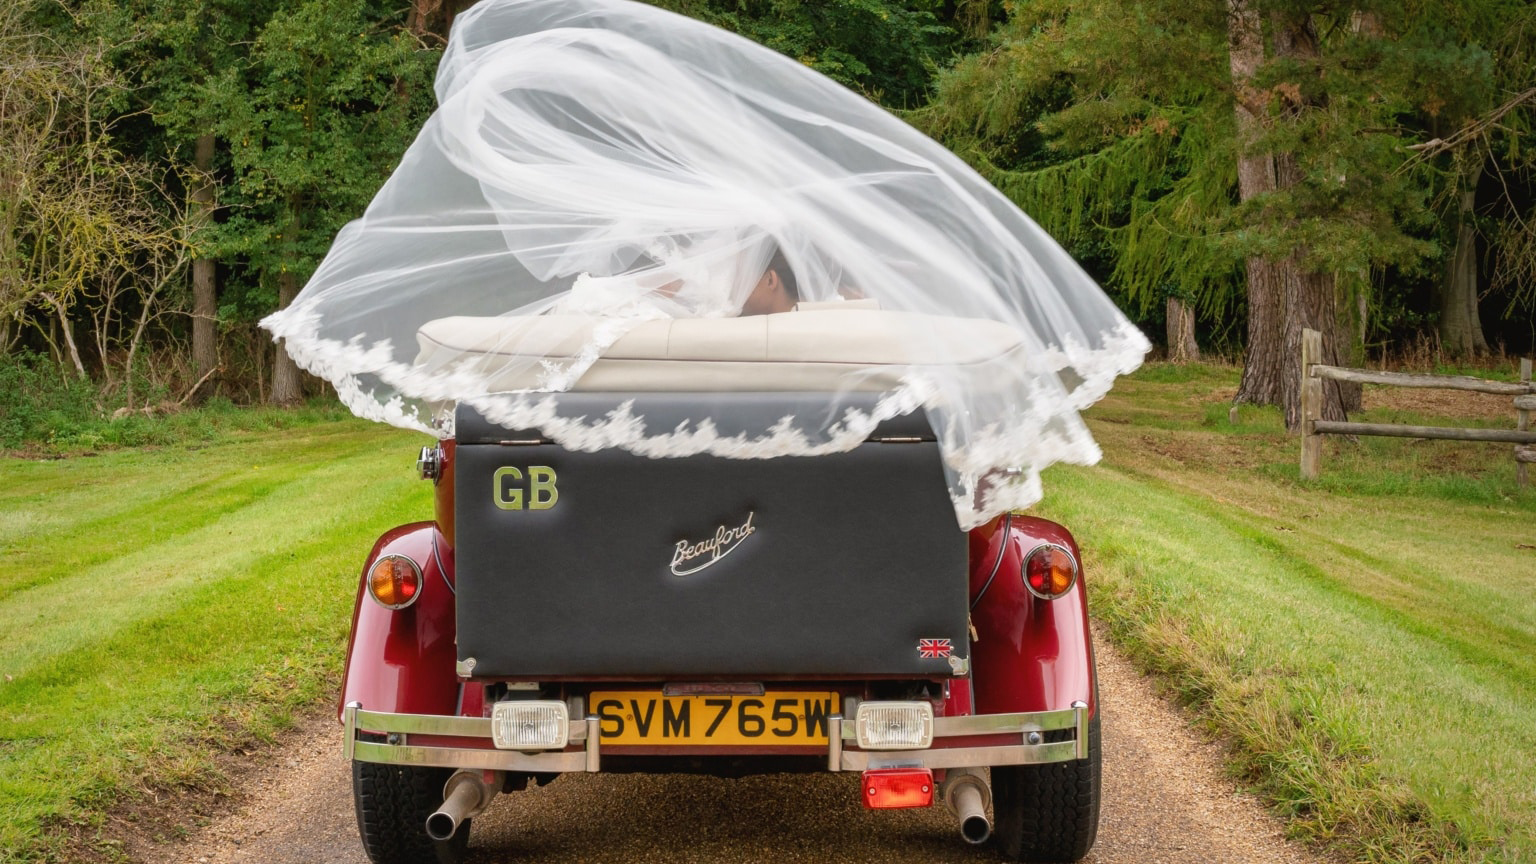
464 795
976 829
967 794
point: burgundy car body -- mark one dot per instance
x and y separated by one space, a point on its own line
1022 703
1028 654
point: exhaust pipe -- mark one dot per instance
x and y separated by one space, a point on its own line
967 794
464 795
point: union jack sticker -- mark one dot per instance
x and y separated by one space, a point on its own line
934 648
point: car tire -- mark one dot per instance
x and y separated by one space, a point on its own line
393 803
1048 813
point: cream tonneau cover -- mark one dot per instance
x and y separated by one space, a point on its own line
817 347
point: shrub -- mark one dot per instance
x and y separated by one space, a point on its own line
40 401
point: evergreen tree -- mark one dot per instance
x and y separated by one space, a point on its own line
330 97
1260 164
189 44
887 49
1185 142
1475 63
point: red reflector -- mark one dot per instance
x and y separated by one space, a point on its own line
890 788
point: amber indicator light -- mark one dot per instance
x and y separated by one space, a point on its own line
1050 572
394 581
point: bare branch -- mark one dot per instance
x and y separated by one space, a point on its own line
1473 130
181 403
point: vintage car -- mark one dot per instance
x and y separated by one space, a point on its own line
569 611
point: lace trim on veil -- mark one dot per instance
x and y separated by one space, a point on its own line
993 470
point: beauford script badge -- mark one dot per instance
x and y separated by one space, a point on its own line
693 557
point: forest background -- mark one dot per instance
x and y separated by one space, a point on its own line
1231 170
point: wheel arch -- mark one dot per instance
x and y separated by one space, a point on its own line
403 660
1029 654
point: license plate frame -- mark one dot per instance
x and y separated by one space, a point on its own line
650 718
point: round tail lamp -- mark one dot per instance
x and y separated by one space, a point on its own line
394 581
1050 571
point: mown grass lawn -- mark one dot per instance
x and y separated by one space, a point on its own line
158 604
1367 641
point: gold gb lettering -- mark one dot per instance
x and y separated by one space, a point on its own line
510 491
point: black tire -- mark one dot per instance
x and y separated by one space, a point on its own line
1046 813
393 803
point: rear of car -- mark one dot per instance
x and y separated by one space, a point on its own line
604 611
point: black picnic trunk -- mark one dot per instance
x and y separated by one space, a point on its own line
609 564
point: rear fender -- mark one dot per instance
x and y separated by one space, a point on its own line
403 661
1029 654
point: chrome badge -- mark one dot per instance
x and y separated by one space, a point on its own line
724 542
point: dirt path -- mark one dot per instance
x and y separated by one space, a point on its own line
1165 801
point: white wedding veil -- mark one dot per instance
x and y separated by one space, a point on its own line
605 182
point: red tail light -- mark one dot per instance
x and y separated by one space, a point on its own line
891 788
1050 571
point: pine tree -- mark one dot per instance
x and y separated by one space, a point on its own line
1253 151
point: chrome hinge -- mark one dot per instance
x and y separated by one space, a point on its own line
430 463
960 666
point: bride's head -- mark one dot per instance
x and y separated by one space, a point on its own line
775 291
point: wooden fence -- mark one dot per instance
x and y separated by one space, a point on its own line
1313 427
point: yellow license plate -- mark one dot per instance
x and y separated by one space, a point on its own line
773 719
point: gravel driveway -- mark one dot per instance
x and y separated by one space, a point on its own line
1165 801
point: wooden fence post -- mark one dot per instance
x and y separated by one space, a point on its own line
1526 453
1311 404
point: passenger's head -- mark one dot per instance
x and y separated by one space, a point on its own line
776 291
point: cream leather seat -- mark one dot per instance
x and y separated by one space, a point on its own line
826 347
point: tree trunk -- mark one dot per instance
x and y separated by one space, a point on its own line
1461 332
419 23
261 367
1255 176
1367 24
146 313
1310 299
286 386
1182 347
68 329
205 304
1311 303
419 19
454 8
1284 296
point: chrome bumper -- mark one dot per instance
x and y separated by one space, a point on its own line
1030 727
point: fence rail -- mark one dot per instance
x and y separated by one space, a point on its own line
1434 382
1400 430
1313 427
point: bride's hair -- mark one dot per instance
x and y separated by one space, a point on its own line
780 265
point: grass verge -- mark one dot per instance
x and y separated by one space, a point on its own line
1366 641
157 606
47 411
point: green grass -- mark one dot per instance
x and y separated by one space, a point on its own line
159 605
1367 641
